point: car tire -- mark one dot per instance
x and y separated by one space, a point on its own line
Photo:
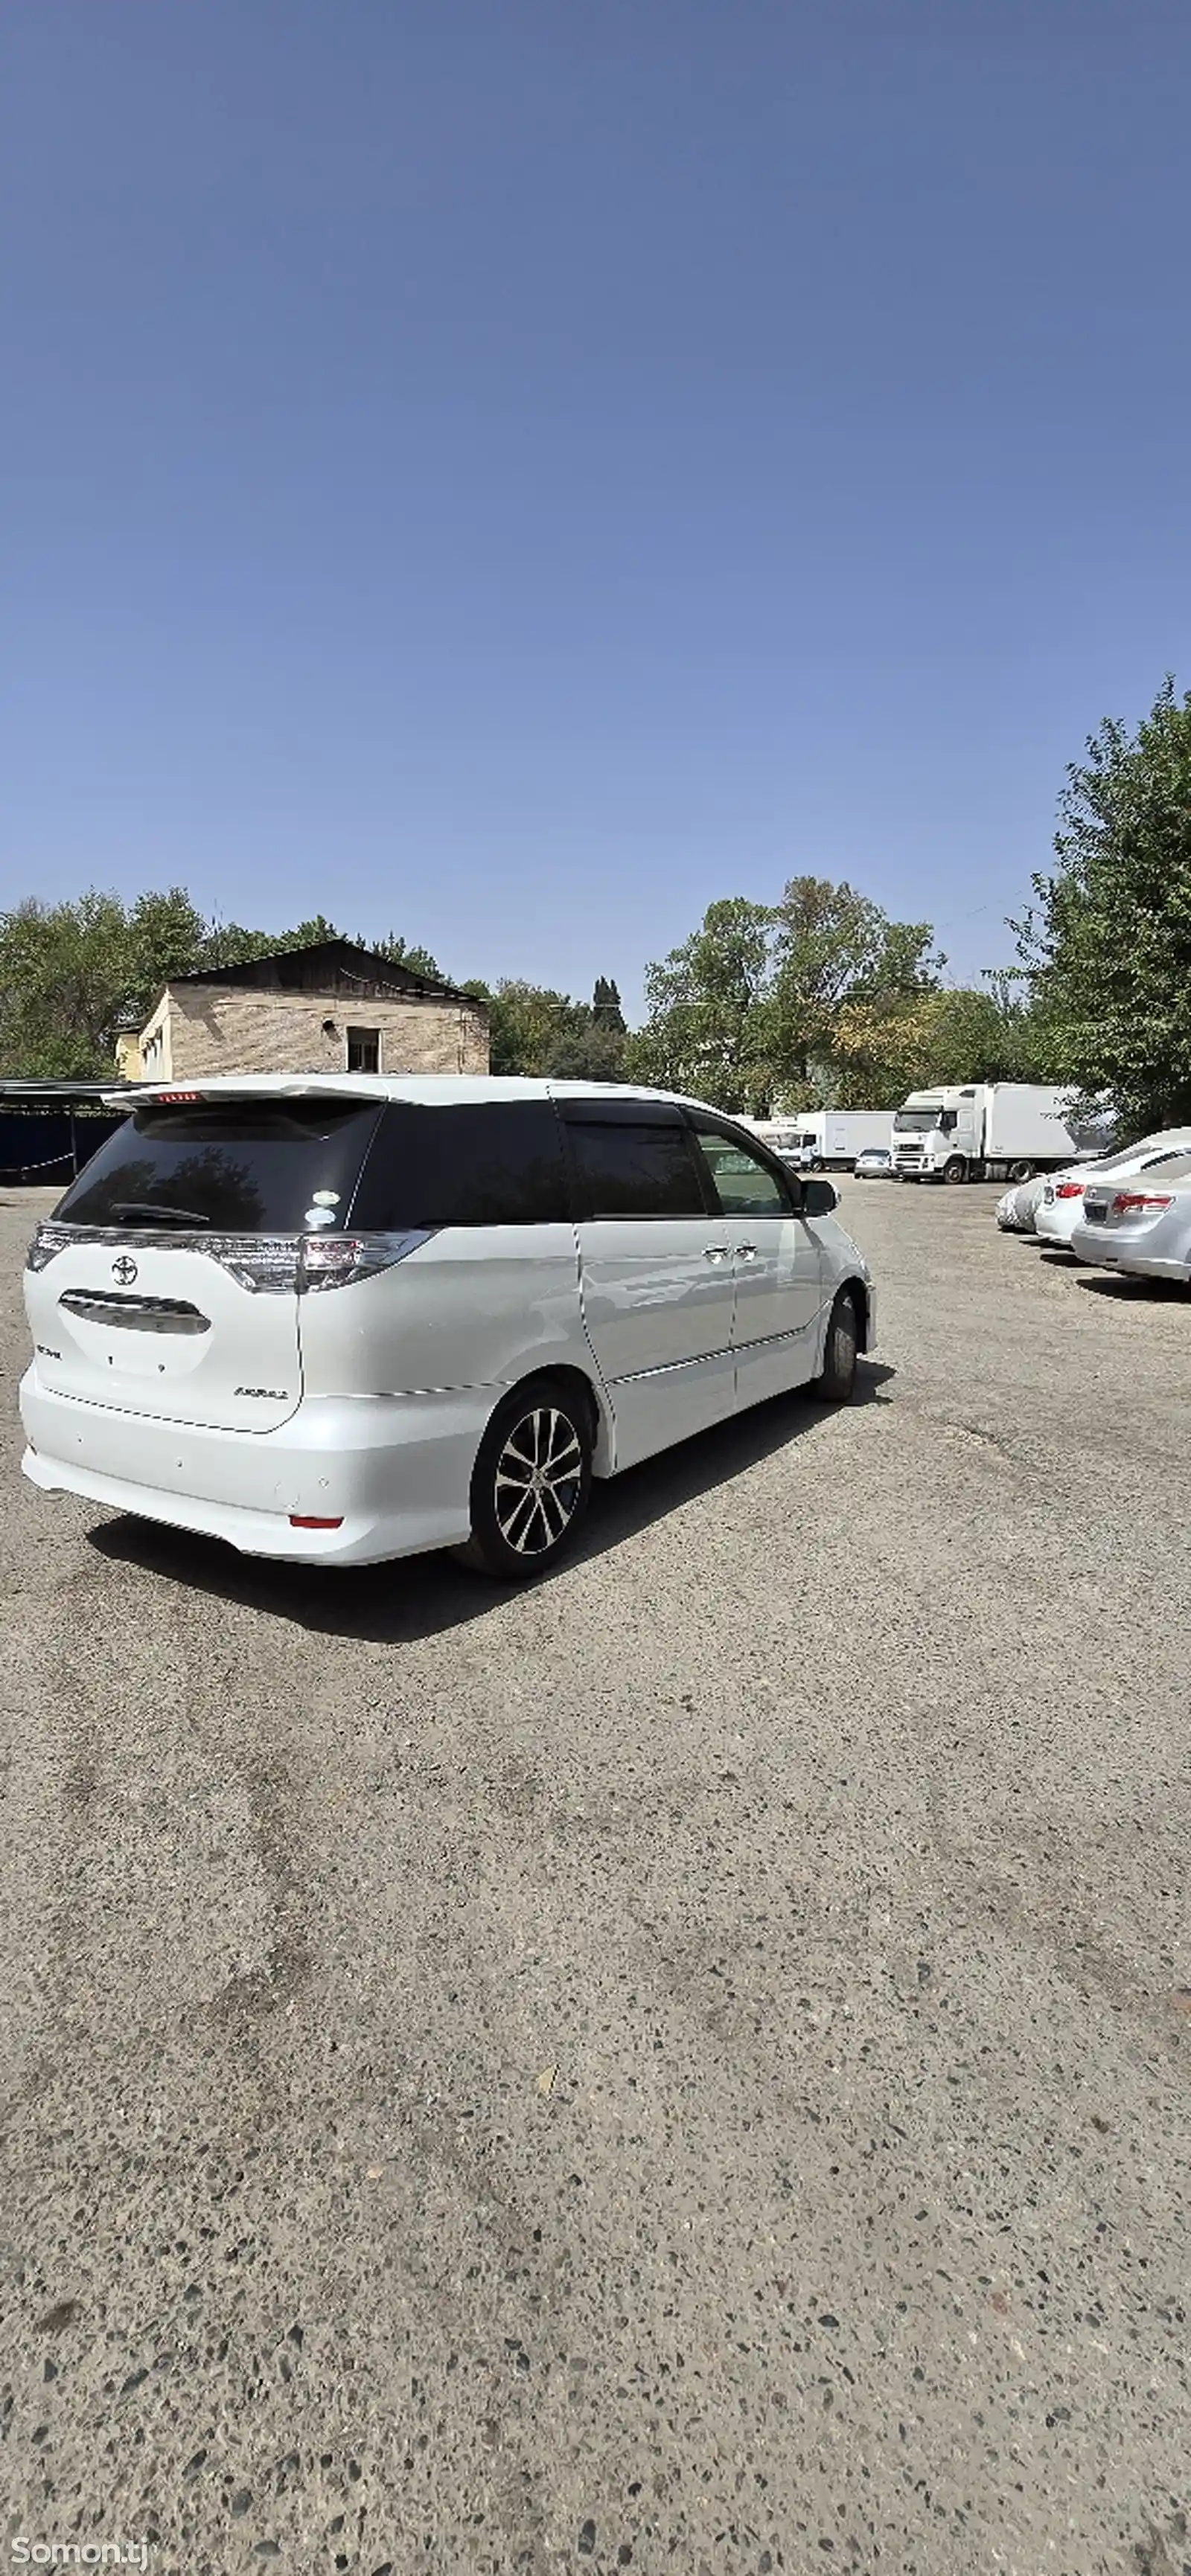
540 1439
836 1381
955 1169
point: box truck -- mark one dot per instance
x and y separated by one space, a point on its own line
986 1131
834 1137
783 1136
815 1140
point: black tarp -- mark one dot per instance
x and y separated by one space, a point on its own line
47 1147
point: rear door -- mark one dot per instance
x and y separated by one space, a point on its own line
166 1284
777 1264
655 1271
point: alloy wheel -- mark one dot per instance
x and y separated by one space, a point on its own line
539 1480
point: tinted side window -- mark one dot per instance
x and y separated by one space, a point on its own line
637 1171
743 1186
491 1162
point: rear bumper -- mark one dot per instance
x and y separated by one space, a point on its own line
1051 1226
394 1470
1093 1247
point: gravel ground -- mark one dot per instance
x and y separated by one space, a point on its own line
685 2067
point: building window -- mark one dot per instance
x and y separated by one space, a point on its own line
363 1050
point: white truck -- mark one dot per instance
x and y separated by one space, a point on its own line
815 1140
783 1136
833 1138
985 1131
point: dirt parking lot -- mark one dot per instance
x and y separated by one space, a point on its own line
686 2067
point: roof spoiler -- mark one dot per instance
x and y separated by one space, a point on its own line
250 1086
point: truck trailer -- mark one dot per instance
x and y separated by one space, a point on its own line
987 1131
819 1140
833 1138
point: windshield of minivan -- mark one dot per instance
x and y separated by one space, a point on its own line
242 1167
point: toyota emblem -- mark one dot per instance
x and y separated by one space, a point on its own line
124 1270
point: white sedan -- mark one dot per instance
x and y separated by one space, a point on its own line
1060 1207
1141 1226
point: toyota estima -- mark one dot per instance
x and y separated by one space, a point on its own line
344 1318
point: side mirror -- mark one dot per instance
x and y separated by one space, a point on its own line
818 1198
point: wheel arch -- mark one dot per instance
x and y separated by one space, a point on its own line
859 1291
577 1383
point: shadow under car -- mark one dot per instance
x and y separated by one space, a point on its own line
420 1596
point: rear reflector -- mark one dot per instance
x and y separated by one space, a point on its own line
1126 1201
1069 1190
306 1520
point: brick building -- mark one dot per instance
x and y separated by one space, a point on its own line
331 1009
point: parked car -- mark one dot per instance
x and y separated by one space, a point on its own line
1061 1205
874 1164
1015 1212
342 1318
1142 1225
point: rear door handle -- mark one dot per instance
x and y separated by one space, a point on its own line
746 1251
715 1251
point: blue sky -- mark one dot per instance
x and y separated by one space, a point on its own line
513 470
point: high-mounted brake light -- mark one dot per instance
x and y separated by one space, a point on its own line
1069 1190
170 1099
306 1520
1126 1201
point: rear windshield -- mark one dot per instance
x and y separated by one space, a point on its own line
269 1167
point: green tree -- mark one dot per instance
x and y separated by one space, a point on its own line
166 936
747 1011
71 972
708 1030
526 1022
1107 942
881 1050
833 947
400 952
888 1044
589 1045
230 944
606 1005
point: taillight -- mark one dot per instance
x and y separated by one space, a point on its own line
48 1240
338 1260
267 1264
1127 1202
1069 1190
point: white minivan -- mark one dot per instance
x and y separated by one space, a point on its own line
343 1318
